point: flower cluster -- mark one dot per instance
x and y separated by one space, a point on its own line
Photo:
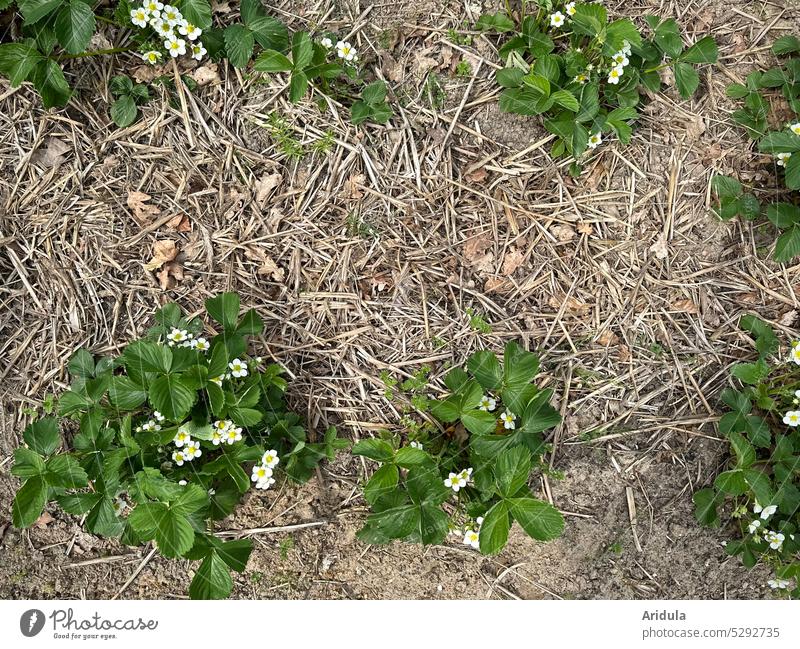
225 431
620 60
262 473
152 424
557 19
187 449
344 49
182 338
472 534
775 539
457 481
169 26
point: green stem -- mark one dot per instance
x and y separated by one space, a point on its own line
103 19
659 67
112 50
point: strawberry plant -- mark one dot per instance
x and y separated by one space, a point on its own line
779 86
56 34
474 476
759 492
160 443
585 73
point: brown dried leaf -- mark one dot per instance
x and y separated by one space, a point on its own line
563 232
607 338
496 285
43 521
660 248
163 251
354 185
512 261
53 154
265 185
180 223
146 73
206 74
170 275
476 175
571 305
143 213
685 306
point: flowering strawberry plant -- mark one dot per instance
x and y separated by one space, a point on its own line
586 74
770 98
472 478
55 32
165 439
762 484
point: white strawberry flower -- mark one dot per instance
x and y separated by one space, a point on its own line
181 438
120 505
238 368
455 481
775 539
792 418
201 344
327 43
615 75
795 128
190 31
218 379
171 15
487 403
466 474
768 511
757 509
222 425
153 7
261 473
626 48
595 140
270 459
139 17
783 158
182 483
265 484
150 425
556 19
158 416
176 335
580 78
198 52
162 28
192 450
217 437
479 521
178 457
753 527
471 539
778 584
570 8
415 445
344 50
152 57
508 418
620 59
175 46
233 435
